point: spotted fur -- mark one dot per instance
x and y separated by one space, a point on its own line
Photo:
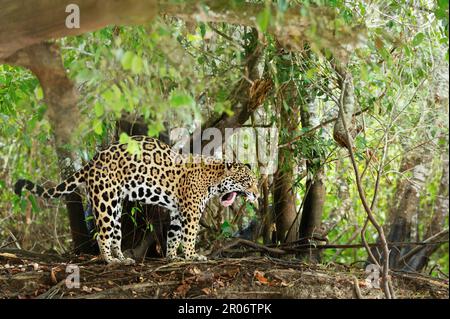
156 175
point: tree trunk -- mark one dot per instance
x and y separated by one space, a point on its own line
44 60
283 194
420 259
310 223
406 204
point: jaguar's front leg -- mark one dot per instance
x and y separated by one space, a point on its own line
191 223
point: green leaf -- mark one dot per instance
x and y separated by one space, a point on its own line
133 220
360 143
134 210
98 127
117 91
364 73
311 73
124 138
136 65
154 128
133 147
226 228
34 205
202 27
263 19
39 93
193 37
127 60
99 109
181 99
153 131
418 39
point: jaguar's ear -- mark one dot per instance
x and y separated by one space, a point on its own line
248 165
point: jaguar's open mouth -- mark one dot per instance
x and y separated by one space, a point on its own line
228 199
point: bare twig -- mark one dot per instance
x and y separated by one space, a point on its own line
318 126
357 289
251 244
413 251
383 242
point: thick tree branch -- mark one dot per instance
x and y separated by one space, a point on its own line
24 23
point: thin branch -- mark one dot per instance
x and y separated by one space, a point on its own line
240 241
383 242
318 126
413 251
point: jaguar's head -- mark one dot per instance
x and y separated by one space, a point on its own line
237 180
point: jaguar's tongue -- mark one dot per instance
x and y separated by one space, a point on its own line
228 199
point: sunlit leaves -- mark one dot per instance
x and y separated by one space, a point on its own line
131 61
226 228
178 99
136 64
39 93
133 146
263 19
99 109
98 127
127 60
419 37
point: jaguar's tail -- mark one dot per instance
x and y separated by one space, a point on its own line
66 187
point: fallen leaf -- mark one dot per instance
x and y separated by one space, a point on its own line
259 275
8 255
194 270
206 291
86 289
232 272
97 289
53 276
362 283
182 289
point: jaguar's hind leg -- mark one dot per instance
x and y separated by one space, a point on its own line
104 238
117 238
104 222
173 235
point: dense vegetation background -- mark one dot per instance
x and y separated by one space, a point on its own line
175 73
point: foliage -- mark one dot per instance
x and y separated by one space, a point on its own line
177 74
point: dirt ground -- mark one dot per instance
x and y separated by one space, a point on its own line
32 275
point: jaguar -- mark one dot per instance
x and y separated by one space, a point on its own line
154 174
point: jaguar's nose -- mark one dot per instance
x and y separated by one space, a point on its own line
252 194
